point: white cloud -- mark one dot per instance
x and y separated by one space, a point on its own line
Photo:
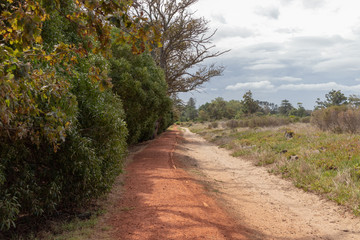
251 85
266 66
289 79
313 3
267 85
341 64
269 12
229 31
286 2
288 30
219 18
319 87
274 79
317 41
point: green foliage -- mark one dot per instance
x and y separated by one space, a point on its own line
28 72
36 180
220 109
299 112
285 107
62 136
189 112
217 109
142 87
101 121
249 105
354 101
268 108
333 98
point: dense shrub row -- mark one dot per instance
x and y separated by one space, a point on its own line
70 150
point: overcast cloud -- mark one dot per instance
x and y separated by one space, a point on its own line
283 49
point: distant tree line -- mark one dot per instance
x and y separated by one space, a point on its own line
220 109
337 113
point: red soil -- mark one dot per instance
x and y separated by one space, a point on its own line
161 201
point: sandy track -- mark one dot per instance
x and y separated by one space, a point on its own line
160 201
265 202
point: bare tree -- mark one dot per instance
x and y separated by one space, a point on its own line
185 43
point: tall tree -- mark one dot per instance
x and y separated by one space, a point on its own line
190 112
285 107
185 43
217 108
249 105
300 111
354 100
333 98
268 108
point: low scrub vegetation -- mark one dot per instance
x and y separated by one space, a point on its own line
257 121
319 161
338 119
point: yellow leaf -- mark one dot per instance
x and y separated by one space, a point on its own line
38 39
44 17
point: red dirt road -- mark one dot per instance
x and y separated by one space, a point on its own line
161 201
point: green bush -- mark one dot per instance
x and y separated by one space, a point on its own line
142 87
101 122
35 180
38 125
67 152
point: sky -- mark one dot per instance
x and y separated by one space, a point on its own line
297 50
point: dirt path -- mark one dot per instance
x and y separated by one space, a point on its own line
262 201
160 201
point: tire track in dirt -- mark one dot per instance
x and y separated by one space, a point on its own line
159 201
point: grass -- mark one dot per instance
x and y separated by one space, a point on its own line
316 161
75 230
67 229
